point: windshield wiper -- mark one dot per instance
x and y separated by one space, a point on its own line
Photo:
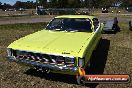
71 30
57 29
74 31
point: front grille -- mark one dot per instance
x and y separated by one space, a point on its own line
44 58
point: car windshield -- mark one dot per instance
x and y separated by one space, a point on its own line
70 25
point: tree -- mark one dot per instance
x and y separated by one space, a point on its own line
62 3
83 3
42 3
5 6
74 3
126 3
0 5
27 5
18 4
54 4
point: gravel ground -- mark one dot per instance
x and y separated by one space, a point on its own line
25 19
113 56
47 18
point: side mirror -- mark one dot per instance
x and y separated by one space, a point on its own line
102 27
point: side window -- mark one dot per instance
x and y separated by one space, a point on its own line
95 23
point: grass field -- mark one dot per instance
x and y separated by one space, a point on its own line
113 56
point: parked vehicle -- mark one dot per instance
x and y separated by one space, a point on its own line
64 46
9 9
105 10
111 26
129 9
130 24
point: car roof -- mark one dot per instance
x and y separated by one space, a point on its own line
75 16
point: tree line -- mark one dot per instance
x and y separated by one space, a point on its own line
84 3
68 4
19 4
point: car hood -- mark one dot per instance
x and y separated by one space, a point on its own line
52 42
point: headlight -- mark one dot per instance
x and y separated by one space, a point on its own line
60 60
69 60
81 62
9 52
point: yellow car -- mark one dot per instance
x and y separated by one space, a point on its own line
64 46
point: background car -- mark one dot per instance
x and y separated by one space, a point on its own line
111 26
130 24
105 10
129 9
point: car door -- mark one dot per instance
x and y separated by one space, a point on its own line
96 31
93 39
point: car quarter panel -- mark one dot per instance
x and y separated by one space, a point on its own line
91 44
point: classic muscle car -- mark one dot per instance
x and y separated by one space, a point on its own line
64 46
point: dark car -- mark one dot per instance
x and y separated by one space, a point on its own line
130 24
105 10
129 9
111 25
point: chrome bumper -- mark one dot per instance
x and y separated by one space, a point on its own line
62 68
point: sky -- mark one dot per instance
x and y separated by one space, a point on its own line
13 1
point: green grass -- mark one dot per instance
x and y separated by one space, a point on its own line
23 26
12 32
24 17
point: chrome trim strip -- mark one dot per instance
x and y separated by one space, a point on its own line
44 53
50 66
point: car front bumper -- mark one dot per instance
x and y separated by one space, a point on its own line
51 67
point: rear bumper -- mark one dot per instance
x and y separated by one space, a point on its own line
51 67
